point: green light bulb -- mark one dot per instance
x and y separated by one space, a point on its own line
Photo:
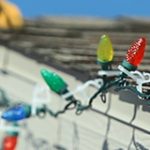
54 81
105 50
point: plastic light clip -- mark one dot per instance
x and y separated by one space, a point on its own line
7 128
41 95
109 73
138 77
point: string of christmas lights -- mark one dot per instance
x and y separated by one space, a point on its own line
110 78
12 129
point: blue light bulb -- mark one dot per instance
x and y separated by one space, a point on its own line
17 113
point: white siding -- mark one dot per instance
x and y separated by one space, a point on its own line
89 131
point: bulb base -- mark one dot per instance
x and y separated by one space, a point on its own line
128 66
28 110
13 133
105 65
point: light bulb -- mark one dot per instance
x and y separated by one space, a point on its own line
17 113
105 50
10 142
54 81
135 54
11 138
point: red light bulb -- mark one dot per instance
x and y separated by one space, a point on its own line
135 54
10 143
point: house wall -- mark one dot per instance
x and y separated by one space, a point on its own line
116 125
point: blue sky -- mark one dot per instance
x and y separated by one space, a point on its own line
96 8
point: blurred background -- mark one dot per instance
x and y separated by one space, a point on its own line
62 36
85 8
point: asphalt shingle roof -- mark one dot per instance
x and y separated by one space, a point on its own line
70 44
